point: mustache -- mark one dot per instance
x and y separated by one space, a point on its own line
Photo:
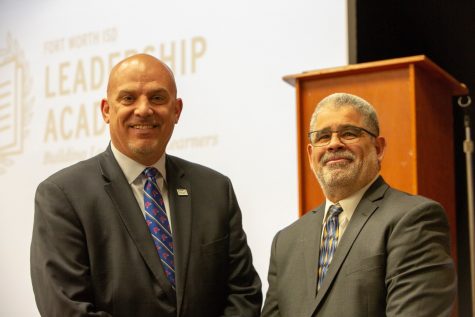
337 155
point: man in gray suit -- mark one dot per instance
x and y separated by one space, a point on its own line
134 231
369 250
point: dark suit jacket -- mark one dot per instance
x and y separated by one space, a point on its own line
92 253
393 260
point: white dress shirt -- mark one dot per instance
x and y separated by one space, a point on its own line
133 173
348 205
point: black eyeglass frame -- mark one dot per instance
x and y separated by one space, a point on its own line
360 129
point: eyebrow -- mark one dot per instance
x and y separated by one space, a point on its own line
125 92
150 93
159 91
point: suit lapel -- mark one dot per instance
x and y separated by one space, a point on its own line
311 239
179 193
126 206
363 212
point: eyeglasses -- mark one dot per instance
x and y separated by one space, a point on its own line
347 135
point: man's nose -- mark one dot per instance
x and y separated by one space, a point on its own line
143 107
335 142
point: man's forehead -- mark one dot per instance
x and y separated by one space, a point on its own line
141 63
135 80
341 116
141 74
337 127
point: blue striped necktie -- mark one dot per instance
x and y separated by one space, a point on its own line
157 221
329 242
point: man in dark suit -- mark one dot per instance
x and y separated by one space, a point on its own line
369 250
112 238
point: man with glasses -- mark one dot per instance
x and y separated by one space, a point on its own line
369 250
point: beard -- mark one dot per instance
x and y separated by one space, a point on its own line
146 148
349 175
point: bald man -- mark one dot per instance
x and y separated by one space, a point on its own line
134 231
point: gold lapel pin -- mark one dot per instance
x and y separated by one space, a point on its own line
182 192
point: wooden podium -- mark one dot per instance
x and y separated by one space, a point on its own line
413 98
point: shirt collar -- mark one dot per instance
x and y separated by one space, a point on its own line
350 203
132 169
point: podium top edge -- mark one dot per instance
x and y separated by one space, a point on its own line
423 61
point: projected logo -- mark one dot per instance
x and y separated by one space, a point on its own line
15 105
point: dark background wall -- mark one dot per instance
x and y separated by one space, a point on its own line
445 32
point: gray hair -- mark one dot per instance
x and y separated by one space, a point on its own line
339 100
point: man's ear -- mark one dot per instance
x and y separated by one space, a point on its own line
105 110
309 155
178 109
380 144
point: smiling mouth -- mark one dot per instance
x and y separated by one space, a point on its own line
143 126
337 161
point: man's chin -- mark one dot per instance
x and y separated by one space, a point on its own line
342 180
335 171
144 148
337 177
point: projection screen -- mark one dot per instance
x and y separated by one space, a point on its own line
239 115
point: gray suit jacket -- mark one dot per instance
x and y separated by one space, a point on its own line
92 253
393 260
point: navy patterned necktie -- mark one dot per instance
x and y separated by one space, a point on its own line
329 242
158 224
